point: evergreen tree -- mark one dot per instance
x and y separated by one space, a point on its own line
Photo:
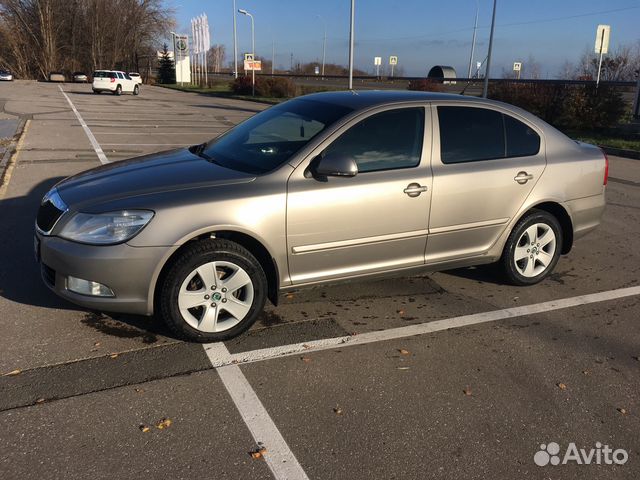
166 67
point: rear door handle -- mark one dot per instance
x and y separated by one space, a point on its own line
523 177
415 189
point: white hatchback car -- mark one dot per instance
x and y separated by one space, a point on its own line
136 76
114 81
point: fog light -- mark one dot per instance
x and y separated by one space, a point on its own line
86 287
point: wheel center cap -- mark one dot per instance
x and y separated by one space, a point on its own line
217 296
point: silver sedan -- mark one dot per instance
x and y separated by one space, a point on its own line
319 189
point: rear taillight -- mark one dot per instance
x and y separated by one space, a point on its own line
113 80
606 168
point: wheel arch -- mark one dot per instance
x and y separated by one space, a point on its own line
252 244
563 217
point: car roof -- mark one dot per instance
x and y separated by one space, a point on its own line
359 99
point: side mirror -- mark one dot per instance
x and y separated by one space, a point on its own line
335 165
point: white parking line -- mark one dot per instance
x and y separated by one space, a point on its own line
279 457
221 358
94 143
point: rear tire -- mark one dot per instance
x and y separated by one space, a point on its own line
97 92
136 90
118 91
532 249
214 290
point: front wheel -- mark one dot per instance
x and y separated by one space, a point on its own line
532 249
213 291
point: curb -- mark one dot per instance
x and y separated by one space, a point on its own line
619 152
11 149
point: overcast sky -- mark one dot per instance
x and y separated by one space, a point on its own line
422 33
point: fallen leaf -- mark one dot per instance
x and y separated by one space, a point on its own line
467 391
139 390
586 372
13 373
404 368
259 453
403 351
305 346
96 344
143 428
114 355
337 410
40 400
164 423
289 296
622 411
305 359
400 312
561 386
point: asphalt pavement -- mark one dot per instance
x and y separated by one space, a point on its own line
447 375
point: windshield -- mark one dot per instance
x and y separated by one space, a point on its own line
271 137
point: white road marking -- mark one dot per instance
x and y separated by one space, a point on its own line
221 358
146 144
94 143
279 457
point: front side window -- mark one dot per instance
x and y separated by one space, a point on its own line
384 141
271 137
469 134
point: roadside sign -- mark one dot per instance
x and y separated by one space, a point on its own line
255 65
602 39
393 60
181 43
248 57
317 70
377 61
517 66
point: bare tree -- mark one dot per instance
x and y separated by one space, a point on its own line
619 64
216 56
40 36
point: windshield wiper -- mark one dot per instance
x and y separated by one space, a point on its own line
199 151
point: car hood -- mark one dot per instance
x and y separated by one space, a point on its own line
150 174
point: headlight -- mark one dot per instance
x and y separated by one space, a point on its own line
105 228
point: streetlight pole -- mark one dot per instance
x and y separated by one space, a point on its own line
485 89
273 54
473 41
253 52
235 43
324 43
351 35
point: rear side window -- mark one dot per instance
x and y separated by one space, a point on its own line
384 141
469 134
522 141
120 76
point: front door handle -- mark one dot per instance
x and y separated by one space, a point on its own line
415 189
523 177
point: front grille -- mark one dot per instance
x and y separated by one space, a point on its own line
48 215
48 274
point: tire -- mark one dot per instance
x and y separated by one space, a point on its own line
97 92
197 311
118 90
136 90
532 249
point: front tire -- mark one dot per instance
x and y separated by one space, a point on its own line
213 291
532 249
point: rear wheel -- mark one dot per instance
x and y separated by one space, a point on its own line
213 291
97 92
136 90
118 90
533 248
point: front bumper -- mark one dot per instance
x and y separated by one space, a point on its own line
131 272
